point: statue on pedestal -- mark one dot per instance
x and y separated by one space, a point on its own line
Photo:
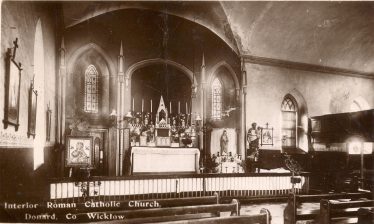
224 142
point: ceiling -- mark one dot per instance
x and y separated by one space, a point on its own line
335 34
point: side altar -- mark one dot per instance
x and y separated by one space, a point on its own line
167 146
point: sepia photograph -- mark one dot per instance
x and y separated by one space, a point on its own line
127 111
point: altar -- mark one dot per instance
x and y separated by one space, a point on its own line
147 160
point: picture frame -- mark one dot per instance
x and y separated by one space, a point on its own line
267 136
79 151
13 71
33 102
48 124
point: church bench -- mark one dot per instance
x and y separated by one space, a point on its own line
365 215
337 211
263 218
292 214
123 205
169 213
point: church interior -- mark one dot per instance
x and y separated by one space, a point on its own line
187 111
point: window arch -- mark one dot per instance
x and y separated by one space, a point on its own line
289 122
216 99
91 91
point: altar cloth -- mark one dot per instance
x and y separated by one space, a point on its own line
164 160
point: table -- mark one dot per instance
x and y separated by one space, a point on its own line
147 160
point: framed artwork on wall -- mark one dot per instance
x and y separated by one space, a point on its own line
79 151
33 101
12 89
266 136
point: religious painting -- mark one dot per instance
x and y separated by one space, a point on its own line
79 151
48 124
266 136
33 100
12 93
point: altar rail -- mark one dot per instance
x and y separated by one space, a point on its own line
176 186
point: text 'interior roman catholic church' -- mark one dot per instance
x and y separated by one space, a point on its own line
187 112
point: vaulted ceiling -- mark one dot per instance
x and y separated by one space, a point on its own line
336 34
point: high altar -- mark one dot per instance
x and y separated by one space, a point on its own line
166 146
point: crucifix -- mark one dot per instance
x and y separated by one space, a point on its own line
15 48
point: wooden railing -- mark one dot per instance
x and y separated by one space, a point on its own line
176 186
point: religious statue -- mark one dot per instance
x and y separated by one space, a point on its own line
174 130
224 142
253 140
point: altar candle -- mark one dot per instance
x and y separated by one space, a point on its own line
186 108
142 105
151 106
133 104
179 107
170 106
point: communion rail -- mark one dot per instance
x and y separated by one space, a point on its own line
144 187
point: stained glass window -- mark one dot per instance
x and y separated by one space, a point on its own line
91 93
289 122
216 99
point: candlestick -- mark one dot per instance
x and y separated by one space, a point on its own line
142 105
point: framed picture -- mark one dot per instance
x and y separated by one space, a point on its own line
33 100
79 151
266 136
48 124
12 91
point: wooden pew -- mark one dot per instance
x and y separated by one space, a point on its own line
263 218
292 215
340 212
11 215
365 216
166 214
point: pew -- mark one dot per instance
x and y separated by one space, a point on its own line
11 215
292 215
332 211
166 214
365 216
263 218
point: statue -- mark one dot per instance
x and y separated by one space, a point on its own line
224 142
253 140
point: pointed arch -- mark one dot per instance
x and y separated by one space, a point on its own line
224 64
300 121
216 99
91 90
90 46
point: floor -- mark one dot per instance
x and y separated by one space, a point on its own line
276 210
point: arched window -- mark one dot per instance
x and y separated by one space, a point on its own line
289 122
91 93
216 99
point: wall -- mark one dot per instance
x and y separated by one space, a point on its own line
19 20
322 93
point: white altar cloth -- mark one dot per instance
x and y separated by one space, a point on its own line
164 160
